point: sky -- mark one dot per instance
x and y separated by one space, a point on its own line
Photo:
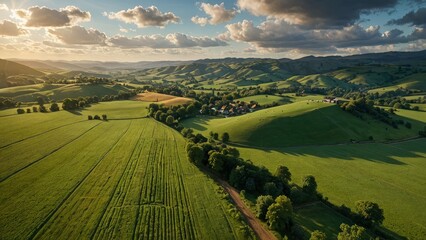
159 30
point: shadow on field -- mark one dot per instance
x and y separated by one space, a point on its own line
75 112
375 152
198 122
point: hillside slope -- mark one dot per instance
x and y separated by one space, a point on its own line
15 74
300 123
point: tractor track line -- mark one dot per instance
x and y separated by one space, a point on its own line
79 183
38 134
50 153
128 165
147 162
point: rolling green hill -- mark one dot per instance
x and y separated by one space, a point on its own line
15 74
300 123
59 92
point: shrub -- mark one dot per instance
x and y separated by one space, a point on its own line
42 109
104 117
318 235
89 117
54 107
97 117
262 204
35 109
408 125
20 111
28 110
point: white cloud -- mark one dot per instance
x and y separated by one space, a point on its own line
45 17
8 28
217 13
78 35
200 20
175 40
144 17
280 35
3 7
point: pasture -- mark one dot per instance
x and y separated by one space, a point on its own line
390 174
300 123
62 176
59 92
265 99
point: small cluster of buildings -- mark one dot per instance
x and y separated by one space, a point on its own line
331 100
234 108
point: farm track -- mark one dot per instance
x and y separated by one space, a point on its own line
39 134
255 224
43 157
79 183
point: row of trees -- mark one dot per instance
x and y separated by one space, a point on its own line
97 117
361 106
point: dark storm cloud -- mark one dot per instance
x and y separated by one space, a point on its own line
314 13
414 18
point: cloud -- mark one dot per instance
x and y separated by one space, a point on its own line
200 20
46 17
217 13
414 18
314 13
278 34
78 35
144 17
8 28
175 40
3 7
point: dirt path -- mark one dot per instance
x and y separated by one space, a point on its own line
260 231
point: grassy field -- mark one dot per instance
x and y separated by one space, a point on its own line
318 216
265 99
58 92
62 176
389 174
300 123
415 115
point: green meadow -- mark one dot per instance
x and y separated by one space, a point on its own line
306 122
390 174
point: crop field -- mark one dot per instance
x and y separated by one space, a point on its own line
62 176
390 174
165 99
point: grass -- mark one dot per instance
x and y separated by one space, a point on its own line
58 92
62 176
414 115
390 174
318 216
300 123
265 99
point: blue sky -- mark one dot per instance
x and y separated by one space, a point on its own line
130 30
